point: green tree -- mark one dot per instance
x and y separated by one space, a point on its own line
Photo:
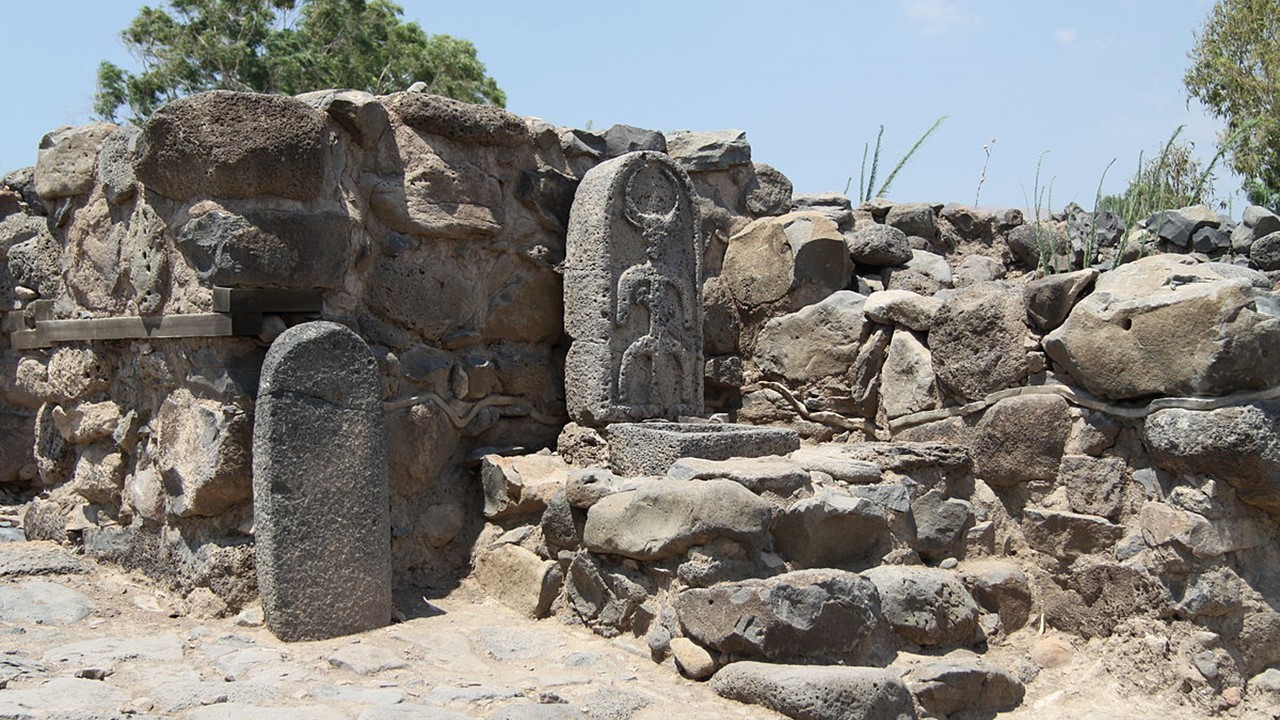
1235 72
287 47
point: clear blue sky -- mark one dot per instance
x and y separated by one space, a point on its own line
810 82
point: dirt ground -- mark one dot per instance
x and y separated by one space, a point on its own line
79 640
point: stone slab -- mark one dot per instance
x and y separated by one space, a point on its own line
321 498
632 294
652 448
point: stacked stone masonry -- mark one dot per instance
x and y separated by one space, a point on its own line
954 448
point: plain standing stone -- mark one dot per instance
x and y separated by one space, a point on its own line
321 504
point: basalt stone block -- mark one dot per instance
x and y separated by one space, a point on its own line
234 145
664 518
632 294
818 614
457 120
269 248
817 692
652 448
321 505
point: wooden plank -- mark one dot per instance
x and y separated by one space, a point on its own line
267 300
14 321
27 340
48 332
40 310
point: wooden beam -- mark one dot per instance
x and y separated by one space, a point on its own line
48 332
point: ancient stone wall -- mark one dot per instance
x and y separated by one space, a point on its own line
1093 448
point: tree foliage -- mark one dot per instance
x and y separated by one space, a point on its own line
287 47
1171 179
1235 72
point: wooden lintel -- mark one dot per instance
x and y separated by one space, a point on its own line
48 332
267 300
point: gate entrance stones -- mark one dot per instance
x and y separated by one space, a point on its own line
321 509
633 304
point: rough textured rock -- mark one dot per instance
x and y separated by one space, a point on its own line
977 269
925 273
903 307
1001 587
115 163
1025 241
978 340
833 529
818 341
806 614
771 474
1067 534
234 145
518 579
960 684
768 192
633 284
1095 486
941 523
652 448
809 692
664 518
913 219
1236 444
457 120
1050 299
1164 325
879 245
606 599
800 256
926 606
840 463
67 163
1021 438
204 454
707 151
321 497
269 248
907 381
520 485
1096 598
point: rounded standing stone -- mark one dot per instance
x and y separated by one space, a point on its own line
321 506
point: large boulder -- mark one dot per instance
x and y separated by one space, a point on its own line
68 160
1067 534
1021 438
800 256
1238 444
879 245
234 145
833 529
801 615
664 518
907 381
459 121
269 248
964 685
818 341
978 340
708 150
204 454
926 606
809 692
1164 325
